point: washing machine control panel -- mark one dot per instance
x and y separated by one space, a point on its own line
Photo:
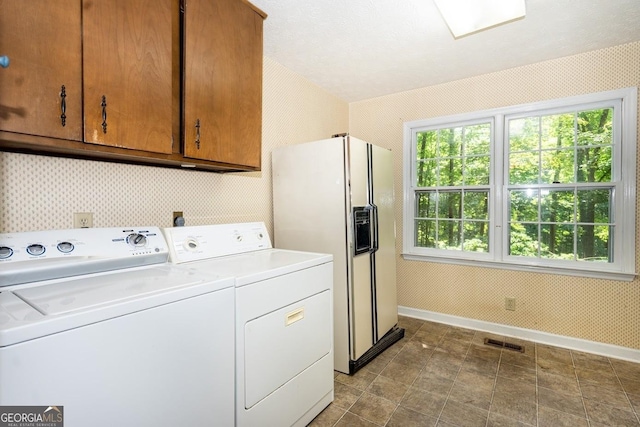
62 253
209 241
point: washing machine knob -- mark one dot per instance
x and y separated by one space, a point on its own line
65 247
36 249
5 252
137 240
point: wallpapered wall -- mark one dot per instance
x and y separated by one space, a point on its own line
40 193
598 310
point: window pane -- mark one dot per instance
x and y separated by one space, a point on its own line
450 171
557 206
595 127
476 236
426 144
523 168
524 134
426 204
523 239
594 164
594 206
557 131
426 173
450 142
449 234
524 205
557 166
557 241
477 139
593 243
476 205
449 205
476 170
425 233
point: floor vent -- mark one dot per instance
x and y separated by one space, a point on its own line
504 344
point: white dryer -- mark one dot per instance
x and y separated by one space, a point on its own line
98 324
284 319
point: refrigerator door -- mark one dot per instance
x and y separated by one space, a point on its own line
316 185
360 285
385 256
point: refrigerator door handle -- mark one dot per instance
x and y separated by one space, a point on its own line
374 228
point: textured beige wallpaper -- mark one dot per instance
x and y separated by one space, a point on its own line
42 192
598 310
39 193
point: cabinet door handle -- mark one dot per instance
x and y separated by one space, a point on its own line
104 114
4 61
63 105
198 134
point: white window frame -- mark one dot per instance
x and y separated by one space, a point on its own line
624 165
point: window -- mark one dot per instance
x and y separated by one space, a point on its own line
547 186
452 194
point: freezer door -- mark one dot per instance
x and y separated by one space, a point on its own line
360 283
385 257
373 281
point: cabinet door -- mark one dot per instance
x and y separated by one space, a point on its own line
42 40
127 73
223 82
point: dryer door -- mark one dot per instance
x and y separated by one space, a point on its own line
283 343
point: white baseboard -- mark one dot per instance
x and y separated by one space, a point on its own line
609 350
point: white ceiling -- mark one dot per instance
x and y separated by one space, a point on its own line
361 49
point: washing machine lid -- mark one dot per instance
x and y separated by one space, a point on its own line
252 267
44 308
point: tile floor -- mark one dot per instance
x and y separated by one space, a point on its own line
440 375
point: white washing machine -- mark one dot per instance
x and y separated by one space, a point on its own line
284 319
98 324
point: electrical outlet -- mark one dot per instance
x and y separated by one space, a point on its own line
510 304
83 219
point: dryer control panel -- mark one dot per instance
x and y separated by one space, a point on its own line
210 241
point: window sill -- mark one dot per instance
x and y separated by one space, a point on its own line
594 274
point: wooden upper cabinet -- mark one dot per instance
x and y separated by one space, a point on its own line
42 40
223 82
127 64
162 82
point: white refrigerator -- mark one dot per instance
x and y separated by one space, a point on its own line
336 196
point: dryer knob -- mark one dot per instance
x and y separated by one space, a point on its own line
137 240
190 245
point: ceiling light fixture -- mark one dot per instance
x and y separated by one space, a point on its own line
469 16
